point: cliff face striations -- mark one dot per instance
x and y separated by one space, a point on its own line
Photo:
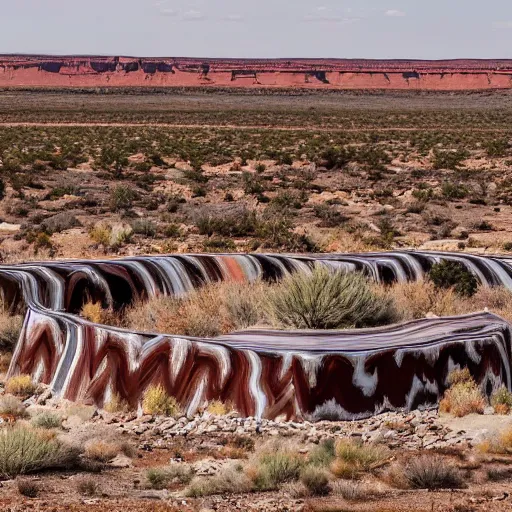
350 74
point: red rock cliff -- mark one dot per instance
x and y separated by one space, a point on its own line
88 71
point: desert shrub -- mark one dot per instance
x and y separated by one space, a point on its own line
350 490
432 472
20 385
60 222
501 400
231 480
121 198
101 451
28 488
448 274
260 167
323 454
160 478
47 420
10 328
496 148
316 480
277 466
116 404
354 458
328 300
156 401
207 312
87 487
329 216
448 159
463 397
500 443
453 190
23 450
219 408
415 299
12 406
144 227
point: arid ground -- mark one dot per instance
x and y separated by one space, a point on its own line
89 174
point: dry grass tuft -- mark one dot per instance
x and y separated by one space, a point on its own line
156 401
117 405
47 420
205 313
219 408
161 478
231 480
101 451
430 472
21 385
12 407
275 464
315 480
10 328
353 458
463 397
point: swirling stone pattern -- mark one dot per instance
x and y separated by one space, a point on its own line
294 374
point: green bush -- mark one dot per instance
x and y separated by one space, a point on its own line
448 159
121 198
47 420
23 450
453 274
277 467
329 300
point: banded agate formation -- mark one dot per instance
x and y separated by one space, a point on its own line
294 374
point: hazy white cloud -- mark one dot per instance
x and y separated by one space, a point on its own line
165 8
193 15
395 13
334 15
502 24
234 17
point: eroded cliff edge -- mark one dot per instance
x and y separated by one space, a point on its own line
350 74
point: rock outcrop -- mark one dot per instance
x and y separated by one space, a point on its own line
350 74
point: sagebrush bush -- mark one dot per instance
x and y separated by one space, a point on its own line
47 420
10 328
463 397
231 480
24 450
21 385
323 454
432 472
276 466
501 400
316 480
453 274
160 478
353 458
156 401
12 406
329 300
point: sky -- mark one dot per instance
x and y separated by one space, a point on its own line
423 29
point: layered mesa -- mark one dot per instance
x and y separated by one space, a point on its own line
88 71
294 374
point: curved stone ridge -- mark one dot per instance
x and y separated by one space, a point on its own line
297 374
96 71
